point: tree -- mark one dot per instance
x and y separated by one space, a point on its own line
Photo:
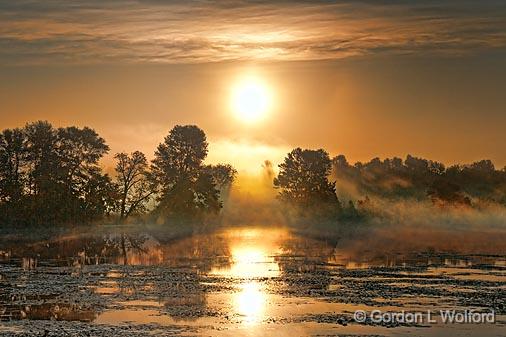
444 191
12 161
180 155
484 166
340 162
185 188
133 180
79 151
206 195
42 158
98 197
223 175
303 179
52 175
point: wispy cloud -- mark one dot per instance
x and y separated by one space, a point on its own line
155 31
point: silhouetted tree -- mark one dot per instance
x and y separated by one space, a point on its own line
206 195
223 175
420 178
98 196
79 151
340 162
350 212
12 161
185 188
43 158
134 184
485 166
51 176
446 192
303 179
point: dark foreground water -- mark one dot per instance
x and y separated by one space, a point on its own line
243 282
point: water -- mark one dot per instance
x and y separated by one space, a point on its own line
252 281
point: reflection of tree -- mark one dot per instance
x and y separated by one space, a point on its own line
47 311
301 254
83 250
180 290
304 265
125 243
203 251
186 300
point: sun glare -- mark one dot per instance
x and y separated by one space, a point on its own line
250 100
250 302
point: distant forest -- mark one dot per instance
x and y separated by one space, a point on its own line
320 186
418 178
51 176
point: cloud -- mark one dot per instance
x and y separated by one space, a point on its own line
126 31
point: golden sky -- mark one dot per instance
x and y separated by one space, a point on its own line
357 78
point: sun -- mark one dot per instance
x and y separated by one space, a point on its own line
250 100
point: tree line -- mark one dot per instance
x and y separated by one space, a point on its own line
52 175
307 181
415 178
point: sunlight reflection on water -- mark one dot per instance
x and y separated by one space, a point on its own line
250 302
252 254
234 280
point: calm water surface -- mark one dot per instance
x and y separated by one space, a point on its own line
241 282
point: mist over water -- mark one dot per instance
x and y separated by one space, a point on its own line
390 227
